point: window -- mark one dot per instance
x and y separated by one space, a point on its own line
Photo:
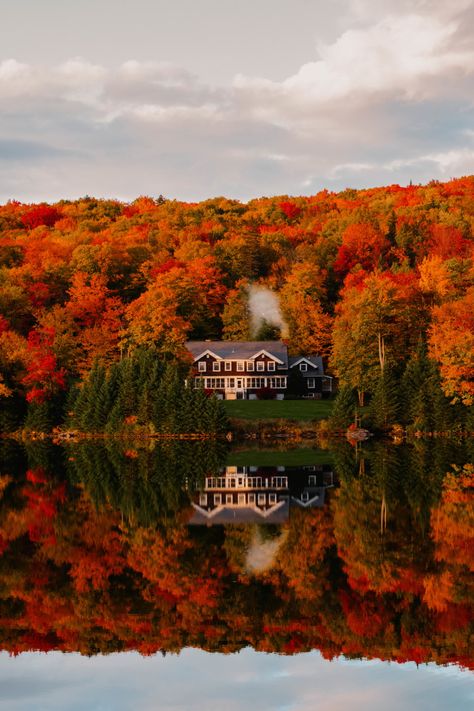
202 366
228 365
277 382
255 382
303 367
312 480
217 499
229 498
262 499
203 499
271 365
251 498
272 498
216 366
250 366
260 365
310 382
240 366
241 499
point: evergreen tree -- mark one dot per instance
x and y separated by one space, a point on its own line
39 417
385 404
344 408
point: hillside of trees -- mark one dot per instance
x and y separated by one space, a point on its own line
378 281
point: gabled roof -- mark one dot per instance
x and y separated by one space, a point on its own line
278 513
315 364
239 350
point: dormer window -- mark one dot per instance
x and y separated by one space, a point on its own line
202 366
216 366
303 367
260 365
271 365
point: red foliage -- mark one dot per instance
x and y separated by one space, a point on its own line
43 375
291 210
38 215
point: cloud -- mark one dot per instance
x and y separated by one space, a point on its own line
388 100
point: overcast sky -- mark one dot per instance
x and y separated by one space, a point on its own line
198 681
197 98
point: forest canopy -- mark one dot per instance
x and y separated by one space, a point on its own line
85 282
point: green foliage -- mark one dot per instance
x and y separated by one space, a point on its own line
385 404
425 407
268 331
344 408
144 393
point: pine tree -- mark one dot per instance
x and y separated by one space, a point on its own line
385 404
39 417
344 408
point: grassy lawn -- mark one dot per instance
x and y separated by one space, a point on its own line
282 458
300 410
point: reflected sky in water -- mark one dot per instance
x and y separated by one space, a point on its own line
199 681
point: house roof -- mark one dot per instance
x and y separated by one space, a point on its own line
315 364
246 514
239 350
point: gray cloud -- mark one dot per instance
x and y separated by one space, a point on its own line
387 100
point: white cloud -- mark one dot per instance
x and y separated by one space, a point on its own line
391 58
388 100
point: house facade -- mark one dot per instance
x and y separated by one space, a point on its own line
259 494
254 369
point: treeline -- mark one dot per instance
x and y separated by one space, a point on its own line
84 281
143 393
410 395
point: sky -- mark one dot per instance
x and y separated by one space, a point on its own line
193 99
199 681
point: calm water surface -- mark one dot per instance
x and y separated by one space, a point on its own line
193 577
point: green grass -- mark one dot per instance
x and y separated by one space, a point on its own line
275 457
299 410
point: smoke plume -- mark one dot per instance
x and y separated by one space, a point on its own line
264 306
261 553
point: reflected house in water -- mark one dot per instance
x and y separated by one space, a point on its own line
259 494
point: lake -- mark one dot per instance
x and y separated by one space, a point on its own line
195 576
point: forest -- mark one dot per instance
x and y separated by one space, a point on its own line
378 281
96 556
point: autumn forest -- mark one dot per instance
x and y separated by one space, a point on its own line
89 283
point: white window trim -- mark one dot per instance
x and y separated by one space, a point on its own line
311 383
240 366
216 366
271 365
250 366
260 366
228 365
202 366
303 367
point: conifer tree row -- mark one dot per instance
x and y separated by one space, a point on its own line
143 392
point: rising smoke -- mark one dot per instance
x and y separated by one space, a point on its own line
264 306
261 554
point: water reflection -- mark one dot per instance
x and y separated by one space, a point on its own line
373 556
